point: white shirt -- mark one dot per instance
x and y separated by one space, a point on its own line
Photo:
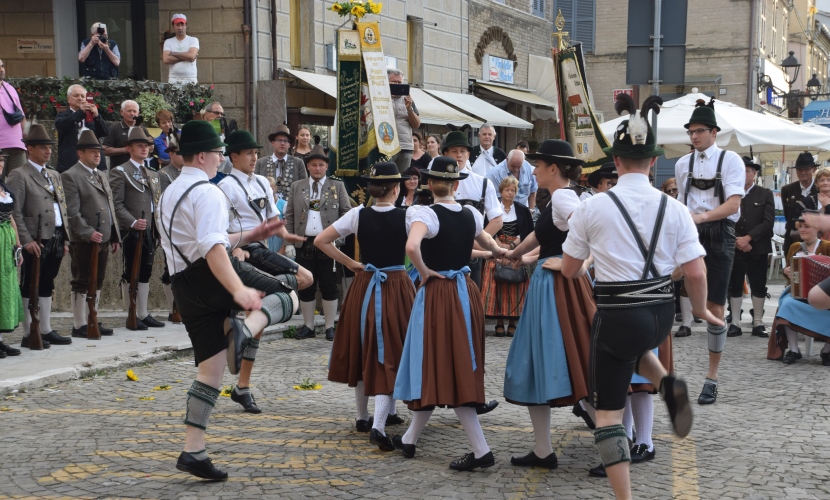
314 225
277 168
564 202
58 219
182 70
509 216
597 227
428 217
805 192
201 221
348 224
733 174
484 162
140 167
470 189
253 187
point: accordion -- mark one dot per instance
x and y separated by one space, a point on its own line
808 271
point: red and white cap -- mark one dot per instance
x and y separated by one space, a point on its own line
179 17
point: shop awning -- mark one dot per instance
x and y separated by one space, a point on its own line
434 112
817 112
324 83
521 96
474 106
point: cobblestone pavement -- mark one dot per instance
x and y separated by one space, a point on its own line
768 436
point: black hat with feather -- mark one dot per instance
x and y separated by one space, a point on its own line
634 137
704 114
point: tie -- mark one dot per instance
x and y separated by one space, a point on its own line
702 156
315 188
97 175
48 180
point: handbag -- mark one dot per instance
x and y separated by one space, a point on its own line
16 116
507 274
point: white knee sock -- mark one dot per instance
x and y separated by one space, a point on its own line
758 310
45 313
393 410
141 300
329 312
792 338
125 295
419 421
540 418
469 421
361 401
382 404
97 299
308 313
736 303
168 293
642 407
686 311
628 419
27 317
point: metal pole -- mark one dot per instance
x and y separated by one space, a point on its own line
655 74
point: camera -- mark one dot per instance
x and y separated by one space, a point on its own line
102 28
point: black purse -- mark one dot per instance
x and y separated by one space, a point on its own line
16 116
507 274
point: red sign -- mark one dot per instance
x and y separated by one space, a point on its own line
622 91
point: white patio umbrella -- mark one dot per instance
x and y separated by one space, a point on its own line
767 135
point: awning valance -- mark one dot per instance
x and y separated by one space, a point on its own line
325 83
518 95
474 106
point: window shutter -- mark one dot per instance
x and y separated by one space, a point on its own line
538 7
585 24
567 8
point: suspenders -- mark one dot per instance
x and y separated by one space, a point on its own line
718 179
251 203
648 255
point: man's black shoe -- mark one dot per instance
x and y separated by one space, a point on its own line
238 336
676 396
584 415
364 425
3 354
407 450
200 468
791 357
598 471
698 320
394 420
487 407
305 333
139 325
330 334
825 358
79 333
708 395
24 342
9 350
683 331
469 462
678 317
246 400
760 331
106 332
384 443
640 453
152 322
531 460
734 331
55 339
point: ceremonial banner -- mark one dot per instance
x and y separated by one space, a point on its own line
380 99
577 123
348 102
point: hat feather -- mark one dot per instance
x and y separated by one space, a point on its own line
625 103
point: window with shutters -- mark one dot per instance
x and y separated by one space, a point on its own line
580 20
538 7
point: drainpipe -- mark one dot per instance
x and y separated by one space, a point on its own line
750 63
274 60
246 34
254 68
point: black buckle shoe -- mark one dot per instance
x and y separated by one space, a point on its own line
598 471
3 354
791 357
469 462
825 358
394 420
55 339
407 450
760 331
584 415
532 460
106 332
80 333
683 331
24 342
9 350
238 336
200 468
734 331
486 407
676 396
152 322
364 425
708 395
305 333
330 334
384 443
246 400
640 453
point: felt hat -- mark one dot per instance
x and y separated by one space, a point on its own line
317 152
383 171
805 160
748 163
137 134
240 140
38 135
704 113
455 138
555 151
87 140
634 138
607 171
445 168
198 136
281 130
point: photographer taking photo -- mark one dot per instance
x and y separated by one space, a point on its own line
99 56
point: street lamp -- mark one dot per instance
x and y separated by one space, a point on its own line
791 64
793 99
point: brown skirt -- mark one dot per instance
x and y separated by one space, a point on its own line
352 360
664 354
447 377
778 344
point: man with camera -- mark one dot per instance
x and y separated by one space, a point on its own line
406 117
99 56
82 113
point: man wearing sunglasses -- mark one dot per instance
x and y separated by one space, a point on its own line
710 183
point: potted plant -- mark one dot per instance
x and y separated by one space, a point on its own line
150 103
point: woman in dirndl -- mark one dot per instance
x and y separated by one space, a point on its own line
11 305
503 300
547 365
373 319
443 358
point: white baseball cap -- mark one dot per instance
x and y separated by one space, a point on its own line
179 17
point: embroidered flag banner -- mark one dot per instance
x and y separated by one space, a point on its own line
380 98
348 130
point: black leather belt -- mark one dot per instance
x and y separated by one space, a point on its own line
704 184
623 294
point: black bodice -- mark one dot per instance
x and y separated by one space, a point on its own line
382 237
549 236
453 245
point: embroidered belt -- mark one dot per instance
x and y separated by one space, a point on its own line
639 293
704 184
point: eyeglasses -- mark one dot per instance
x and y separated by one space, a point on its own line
217 113
220 153
282 141
672 190
698 131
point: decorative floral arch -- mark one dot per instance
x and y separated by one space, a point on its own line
496 34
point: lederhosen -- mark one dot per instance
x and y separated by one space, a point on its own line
148 237
259 255
51 254
475 264
322 267
633 317
202 300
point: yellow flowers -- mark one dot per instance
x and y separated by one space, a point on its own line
356 9
226 391
308 385
336 8
132 376
163 387
147 398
